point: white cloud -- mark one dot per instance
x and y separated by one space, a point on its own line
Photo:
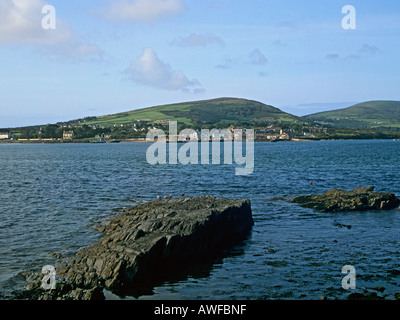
149 70
198 40
366 50
257 57
21 23
142 10
227 63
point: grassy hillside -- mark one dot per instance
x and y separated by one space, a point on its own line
370 114
206 111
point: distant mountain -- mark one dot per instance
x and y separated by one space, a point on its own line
230 110
365 115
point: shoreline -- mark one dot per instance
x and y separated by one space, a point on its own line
37 141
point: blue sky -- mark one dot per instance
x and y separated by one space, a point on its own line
109 56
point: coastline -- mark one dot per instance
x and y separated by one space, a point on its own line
44 141
143 141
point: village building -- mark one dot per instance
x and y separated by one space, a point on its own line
68 135
5 135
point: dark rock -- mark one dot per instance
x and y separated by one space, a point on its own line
363 189
55 254
364 296
379 288
359 199
148 239
340 225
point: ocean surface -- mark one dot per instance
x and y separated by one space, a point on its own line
52 196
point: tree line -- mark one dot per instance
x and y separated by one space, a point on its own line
53 131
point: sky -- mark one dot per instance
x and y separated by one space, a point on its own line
96 57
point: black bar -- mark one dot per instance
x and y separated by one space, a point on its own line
198 309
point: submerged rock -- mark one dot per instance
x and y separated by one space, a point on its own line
359 199
149 238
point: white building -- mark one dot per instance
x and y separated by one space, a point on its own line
5 135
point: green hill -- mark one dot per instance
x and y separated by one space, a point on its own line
366 115
221 110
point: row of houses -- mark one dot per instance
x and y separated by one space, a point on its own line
67 135
314 129
262 133
274 134
230 133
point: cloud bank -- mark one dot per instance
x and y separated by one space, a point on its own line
21 23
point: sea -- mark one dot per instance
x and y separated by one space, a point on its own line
53 195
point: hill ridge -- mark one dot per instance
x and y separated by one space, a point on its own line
222 109
369 114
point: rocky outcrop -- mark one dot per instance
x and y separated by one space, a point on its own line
145 239
359 199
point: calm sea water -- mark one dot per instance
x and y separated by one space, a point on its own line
53 194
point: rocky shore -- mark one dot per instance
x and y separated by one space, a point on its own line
359 199
144 240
